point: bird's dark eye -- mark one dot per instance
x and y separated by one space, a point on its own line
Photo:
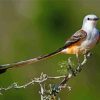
88 18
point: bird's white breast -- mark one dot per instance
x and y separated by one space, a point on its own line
91 39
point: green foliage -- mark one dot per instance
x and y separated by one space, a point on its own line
62 68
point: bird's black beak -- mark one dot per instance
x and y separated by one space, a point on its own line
95 19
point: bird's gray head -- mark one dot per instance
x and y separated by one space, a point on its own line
90 21
91 18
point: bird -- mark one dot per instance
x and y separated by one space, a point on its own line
81 42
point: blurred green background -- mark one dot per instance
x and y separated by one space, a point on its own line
29 28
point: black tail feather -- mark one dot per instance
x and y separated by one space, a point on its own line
2 70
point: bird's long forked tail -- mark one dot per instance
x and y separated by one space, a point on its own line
4 67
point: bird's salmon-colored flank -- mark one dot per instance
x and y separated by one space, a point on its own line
73 49
80 42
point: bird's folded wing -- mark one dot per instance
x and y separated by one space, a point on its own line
78 36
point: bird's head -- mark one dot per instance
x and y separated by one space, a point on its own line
90 20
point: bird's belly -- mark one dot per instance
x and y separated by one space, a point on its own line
73 49
90 43
80 48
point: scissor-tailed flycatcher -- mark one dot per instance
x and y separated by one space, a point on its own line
80 42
